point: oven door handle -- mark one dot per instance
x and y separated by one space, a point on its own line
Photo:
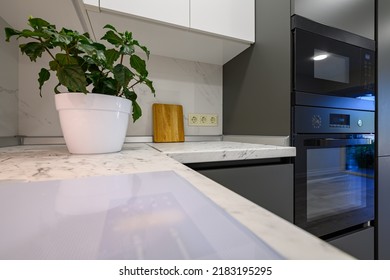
334 142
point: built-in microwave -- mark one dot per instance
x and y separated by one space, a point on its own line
331 62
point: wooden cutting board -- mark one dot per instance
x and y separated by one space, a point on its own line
168 123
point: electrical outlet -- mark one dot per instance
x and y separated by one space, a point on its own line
202 119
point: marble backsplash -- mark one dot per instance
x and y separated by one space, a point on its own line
196 86
8 85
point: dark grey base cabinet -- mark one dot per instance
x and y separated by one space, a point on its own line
359 244
270 186
383 211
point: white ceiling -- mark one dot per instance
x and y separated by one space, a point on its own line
59 12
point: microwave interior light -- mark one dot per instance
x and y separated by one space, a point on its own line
320 57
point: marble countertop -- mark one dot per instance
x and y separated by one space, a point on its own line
190 152
53 162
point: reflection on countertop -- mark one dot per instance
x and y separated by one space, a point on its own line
53 162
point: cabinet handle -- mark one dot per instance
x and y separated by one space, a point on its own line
334 142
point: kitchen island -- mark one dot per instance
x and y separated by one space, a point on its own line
53 162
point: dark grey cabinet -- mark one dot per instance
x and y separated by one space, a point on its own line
383 211
355 16
359 244
270 186
383 131
256 83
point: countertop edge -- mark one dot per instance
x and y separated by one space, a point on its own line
198 152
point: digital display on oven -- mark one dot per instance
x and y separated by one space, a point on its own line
339 120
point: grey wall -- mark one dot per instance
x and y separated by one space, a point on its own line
384 78
8 86
383 131
256 83
340 14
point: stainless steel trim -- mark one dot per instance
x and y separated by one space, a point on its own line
332 142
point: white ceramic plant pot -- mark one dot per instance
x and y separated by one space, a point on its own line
93 123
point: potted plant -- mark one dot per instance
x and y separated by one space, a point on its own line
95 122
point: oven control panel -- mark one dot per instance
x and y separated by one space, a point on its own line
340 120
328 120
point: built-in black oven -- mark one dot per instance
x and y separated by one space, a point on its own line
330 62
333 128
334 169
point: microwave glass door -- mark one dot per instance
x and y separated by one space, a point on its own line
330 66
326 66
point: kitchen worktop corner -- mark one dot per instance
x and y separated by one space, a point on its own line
53 162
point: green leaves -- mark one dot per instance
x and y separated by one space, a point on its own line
78 61
109 26
136 109
9 32
43 76
145 49
112 38
64 59
123 75
139 65
38 23
33 50
149 83
111 56
72 77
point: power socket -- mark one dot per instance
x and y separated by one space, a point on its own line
202 119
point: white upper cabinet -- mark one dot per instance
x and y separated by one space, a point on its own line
231 18
91 2
169 11
212 31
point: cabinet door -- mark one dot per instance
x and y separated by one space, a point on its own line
270 186
359 244
92 2
382 218
383 95
169 11
357 16
231 18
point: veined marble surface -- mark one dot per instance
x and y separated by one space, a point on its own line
190 152
195 86
9 52
52 162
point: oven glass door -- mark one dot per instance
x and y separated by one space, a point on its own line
326 66
334 187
